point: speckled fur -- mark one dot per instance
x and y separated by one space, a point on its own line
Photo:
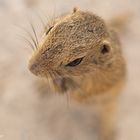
99 78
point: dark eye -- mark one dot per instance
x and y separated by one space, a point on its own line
49 30
75 62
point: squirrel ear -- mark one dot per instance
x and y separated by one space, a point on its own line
105 47
75 9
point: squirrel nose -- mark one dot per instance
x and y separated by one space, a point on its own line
33 67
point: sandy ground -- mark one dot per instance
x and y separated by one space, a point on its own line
25 113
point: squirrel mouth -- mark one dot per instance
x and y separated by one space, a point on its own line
64 84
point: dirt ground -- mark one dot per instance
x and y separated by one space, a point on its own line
25 114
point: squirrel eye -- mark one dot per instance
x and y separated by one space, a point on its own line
49 30
75 62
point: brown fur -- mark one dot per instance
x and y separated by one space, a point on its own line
98 79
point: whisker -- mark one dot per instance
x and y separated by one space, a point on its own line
53 75
42 13
51 78
47 79
42 21
30 35
54 12
26 40
35 34
48 24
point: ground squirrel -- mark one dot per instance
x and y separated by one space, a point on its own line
82 55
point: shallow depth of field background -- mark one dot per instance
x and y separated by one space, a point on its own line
27 111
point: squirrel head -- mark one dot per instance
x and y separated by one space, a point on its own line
76 44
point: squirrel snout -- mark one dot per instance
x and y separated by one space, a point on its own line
34 68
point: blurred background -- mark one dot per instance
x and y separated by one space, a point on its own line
27 111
